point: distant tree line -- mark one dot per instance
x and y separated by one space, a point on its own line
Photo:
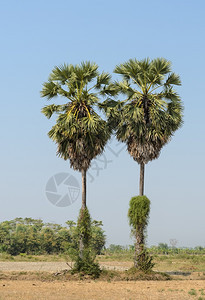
33 236
161 249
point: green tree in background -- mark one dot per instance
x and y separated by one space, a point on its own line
35 237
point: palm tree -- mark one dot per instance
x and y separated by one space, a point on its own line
152 110
80 133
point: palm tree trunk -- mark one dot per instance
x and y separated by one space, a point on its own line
142 167
81 245
83 188
139 247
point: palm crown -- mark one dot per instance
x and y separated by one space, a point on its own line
79 132
152 109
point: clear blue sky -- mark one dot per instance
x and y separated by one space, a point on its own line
36 36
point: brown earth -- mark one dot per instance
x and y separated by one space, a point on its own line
35 288
142 290
55 266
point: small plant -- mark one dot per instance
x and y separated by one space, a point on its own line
22 273
22 254
192 292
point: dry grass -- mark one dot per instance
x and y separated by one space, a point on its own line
120 261
142 290
180 263
65 275
163 263
113 284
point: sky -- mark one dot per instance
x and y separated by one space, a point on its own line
38 35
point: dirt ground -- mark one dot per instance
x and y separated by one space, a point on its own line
142 290
55 266
189 288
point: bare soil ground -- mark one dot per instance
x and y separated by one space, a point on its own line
55 266
32 266
187 287
142 290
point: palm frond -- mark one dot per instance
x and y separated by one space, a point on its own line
49 90
109 90
61 73
48 110
160 66
102 79
173 79
86 71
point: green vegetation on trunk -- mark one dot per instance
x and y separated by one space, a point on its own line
84 256
138 215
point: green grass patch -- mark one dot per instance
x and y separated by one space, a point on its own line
192 292
34 258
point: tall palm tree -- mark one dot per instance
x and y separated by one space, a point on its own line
152 109
80 133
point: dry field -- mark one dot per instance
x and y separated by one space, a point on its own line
54 266
142 290
29 288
